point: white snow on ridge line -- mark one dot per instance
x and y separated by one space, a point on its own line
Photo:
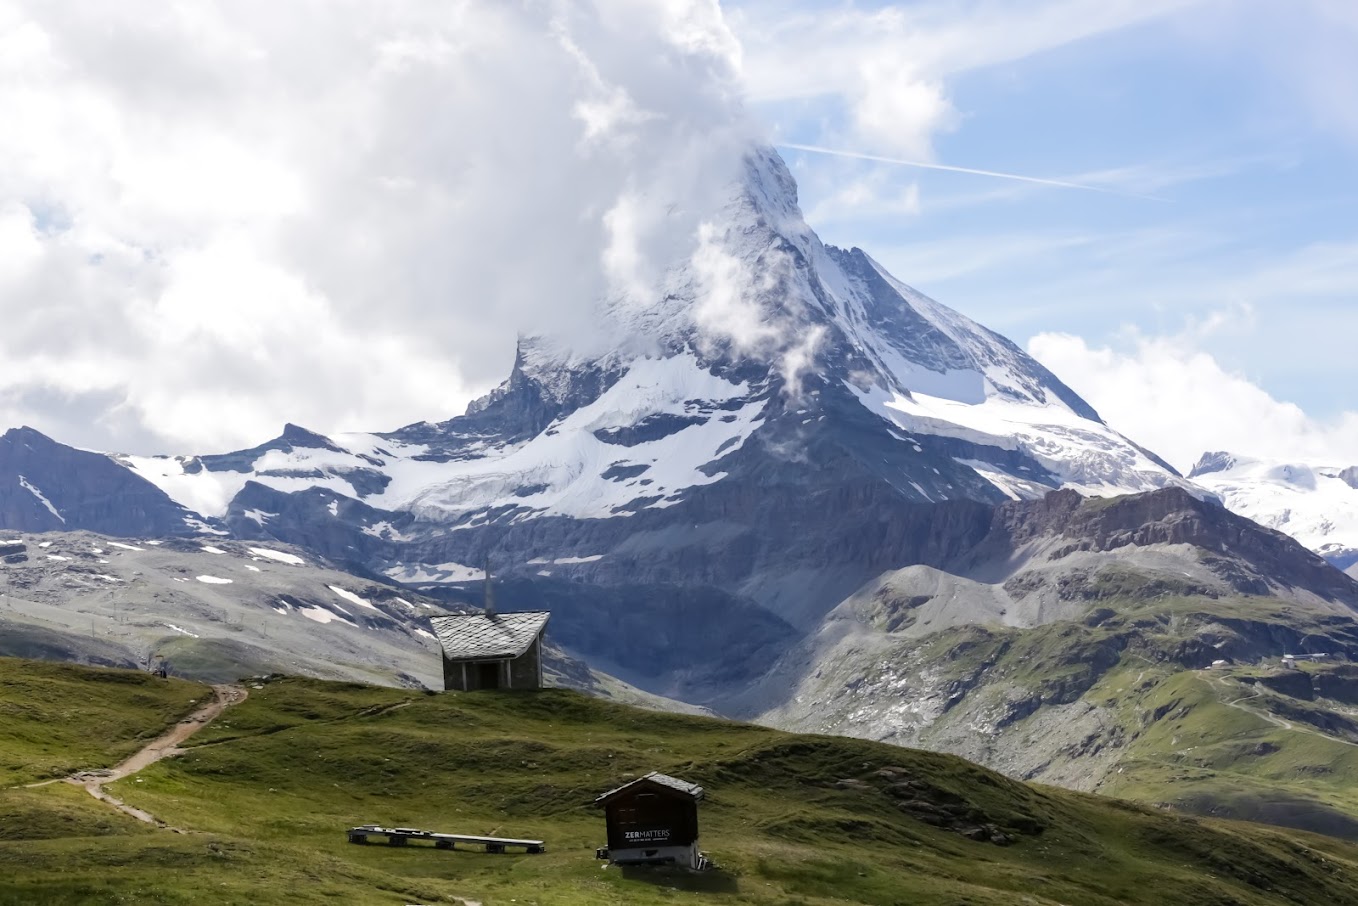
351 597
203 492
42 498
209 493
213 580
58 557
565 561
1084 455
126 547
280 556
181 631
568 461
213 550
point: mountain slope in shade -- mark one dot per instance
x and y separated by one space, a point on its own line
47 486
1317 505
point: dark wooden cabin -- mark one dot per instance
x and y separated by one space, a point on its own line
653 820
491 650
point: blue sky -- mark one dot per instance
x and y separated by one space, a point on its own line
1240 117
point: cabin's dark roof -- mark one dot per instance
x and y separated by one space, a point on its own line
473 636
692 790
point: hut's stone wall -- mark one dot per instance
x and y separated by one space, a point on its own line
523 672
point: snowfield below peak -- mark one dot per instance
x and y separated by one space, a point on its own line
1315 504
645 439
1086 456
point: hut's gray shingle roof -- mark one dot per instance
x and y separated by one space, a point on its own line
665 780
475 635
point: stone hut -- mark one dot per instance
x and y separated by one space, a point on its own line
492 650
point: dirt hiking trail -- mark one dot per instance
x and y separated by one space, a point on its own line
166 746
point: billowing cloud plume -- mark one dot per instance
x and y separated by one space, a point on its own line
1172 396
218 216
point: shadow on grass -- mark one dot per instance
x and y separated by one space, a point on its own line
714 880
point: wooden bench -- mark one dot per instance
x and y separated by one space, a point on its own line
400 836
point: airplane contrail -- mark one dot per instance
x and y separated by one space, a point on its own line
836 152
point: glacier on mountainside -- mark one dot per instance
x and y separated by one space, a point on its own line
1316 504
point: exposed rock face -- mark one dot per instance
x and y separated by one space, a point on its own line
47 486
1257 560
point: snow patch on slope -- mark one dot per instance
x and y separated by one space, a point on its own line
433 574
1316 505
204 492
42 498
351 597
279 556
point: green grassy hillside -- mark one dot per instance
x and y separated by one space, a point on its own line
266 793
1169 699
56 719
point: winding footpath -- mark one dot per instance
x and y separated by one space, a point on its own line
1264 714
165 746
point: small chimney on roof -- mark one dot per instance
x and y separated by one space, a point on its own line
490 591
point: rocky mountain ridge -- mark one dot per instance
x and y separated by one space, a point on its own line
1079 641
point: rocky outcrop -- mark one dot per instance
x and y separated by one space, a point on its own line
47 486
1253 559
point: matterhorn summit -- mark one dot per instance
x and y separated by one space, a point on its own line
762 418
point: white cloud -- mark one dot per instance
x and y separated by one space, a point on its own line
732 310
216 217
1168 394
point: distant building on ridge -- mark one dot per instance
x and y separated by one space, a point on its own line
491 650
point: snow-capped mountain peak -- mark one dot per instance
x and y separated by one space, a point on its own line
759 332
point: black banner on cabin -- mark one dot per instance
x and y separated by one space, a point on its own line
649 819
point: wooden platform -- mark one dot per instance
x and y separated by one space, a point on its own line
400 836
